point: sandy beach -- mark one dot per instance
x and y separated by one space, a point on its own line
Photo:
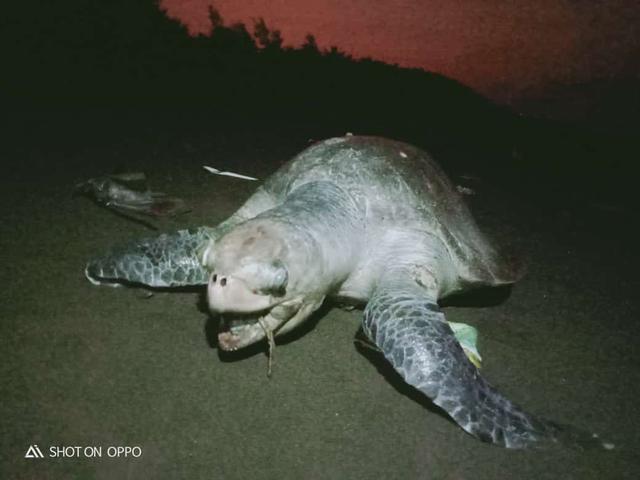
97 366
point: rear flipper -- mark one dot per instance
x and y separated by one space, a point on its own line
170 260
409 328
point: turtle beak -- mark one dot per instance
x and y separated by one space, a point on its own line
244 312
226 293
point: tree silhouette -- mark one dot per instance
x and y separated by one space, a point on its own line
266 38
310 45
214 18
131 53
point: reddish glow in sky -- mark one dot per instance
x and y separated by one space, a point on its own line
501 48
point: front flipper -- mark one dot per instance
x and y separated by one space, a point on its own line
409 328
170 260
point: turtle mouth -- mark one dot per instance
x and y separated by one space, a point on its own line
240 330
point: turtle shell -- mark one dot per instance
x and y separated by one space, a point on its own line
396 183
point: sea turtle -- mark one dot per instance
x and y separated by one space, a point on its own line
365 219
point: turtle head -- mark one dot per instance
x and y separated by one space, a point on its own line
248 279
253 287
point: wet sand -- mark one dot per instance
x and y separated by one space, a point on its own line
96 366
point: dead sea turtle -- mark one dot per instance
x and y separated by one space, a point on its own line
364 219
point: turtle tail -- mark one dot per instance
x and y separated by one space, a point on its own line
170 260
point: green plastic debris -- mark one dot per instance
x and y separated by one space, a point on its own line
467 336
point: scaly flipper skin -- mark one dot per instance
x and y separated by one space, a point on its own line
409 328
170 260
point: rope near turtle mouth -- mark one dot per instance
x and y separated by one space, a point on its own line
272 344
237 324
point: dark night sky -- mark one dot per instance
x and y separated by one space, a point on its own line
503 49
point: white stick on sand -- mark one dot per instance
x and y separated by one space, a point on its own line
215 171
